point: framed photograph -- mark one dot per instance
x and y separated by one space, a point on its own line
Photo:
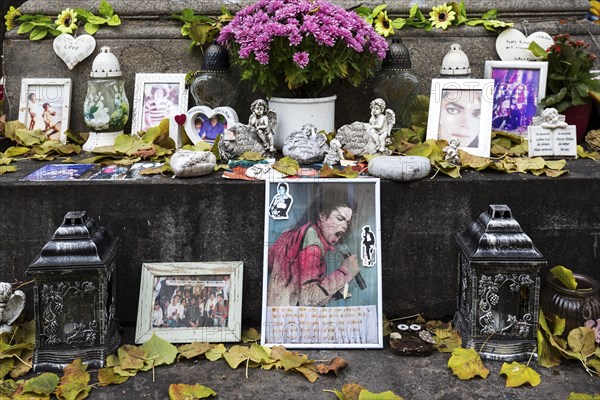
462 109
156 97
191 302
322 270
518 88
46 104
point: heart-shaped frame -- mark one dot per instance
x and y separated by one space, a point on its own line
226 117
511 44
73 50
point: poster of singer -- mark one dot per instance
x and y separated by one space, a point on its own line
322 264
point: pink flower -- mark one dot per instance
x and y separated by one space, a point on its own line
301 59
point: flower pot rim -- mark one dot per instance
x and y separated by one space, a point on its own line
303 100
580 278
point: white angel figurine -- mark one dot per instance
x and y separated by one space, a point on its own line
263 120
380 123
11 306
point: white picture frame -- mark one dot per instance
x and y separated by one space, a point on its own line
462 109
518 88
310 307
160 283
45 104
149 111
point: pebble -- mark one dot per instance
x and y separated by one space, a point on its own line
400 168
187 163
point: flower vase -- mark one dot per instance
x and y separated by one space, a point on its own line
575 306
580 117
293 113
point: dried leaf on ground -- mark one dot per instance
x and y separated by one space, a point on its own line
180 391
388 395
518 374
466 364
236 355
108 376
336 365
582 340
583 396
327 172
43 384
215 352
309 372
251 156
193 349
159 351
446 339
74 384
288 359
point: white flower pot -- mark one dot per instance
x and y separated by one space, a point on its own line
293 113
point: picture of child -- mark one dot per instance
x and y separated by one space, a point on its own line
51 128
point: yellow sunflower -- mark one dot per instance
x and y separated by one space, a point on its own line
67 21
383 25
442 16
10 17
594 11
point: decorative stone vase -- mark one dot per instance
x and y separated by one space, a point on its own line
293 114
580 117
575 306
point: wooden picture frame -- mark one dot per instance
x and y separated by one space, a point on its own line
311 297
201 283
159 96
518 88
462 109
45 104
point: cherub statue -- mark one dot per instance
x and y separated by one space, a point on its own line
550 119
451 152
380 124
335 153
11 306
263 120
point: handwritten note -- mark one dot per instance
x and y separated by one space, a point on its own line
511 44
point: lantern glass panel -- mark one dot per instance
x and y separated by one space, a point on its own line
80 319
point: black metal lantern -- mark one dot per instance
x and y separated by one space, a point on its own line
74 294
499 287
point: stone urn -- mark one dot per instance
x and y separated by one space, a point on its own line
575 306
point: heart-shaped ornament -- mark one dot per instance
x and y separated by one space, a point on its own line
511 44
180 119
205 124
74 50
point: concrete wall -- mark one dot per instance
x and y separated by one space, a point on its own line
150 41
211 218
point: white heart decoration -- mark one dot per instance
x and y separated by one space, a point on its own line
206 113
74 50
512 44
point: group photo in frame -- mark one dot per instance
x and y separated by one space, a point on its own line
156 97
187 302
322 264
518 88
45 104
462 109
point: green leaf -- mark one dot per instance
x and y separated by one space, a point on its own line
583 396
44 384
582 340
558 325
378 9
548 355
466 364
491 14
25 27
287 165
519 374
251 156
6 365
159 351
389 395
94 19
537 50
29 138
15 151
250 335
105 9
91 28
565 276
180 391
38 33
236 355
114 21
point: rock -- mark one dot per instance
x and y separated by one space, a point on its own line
306 145
239 139
400 168
187 163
